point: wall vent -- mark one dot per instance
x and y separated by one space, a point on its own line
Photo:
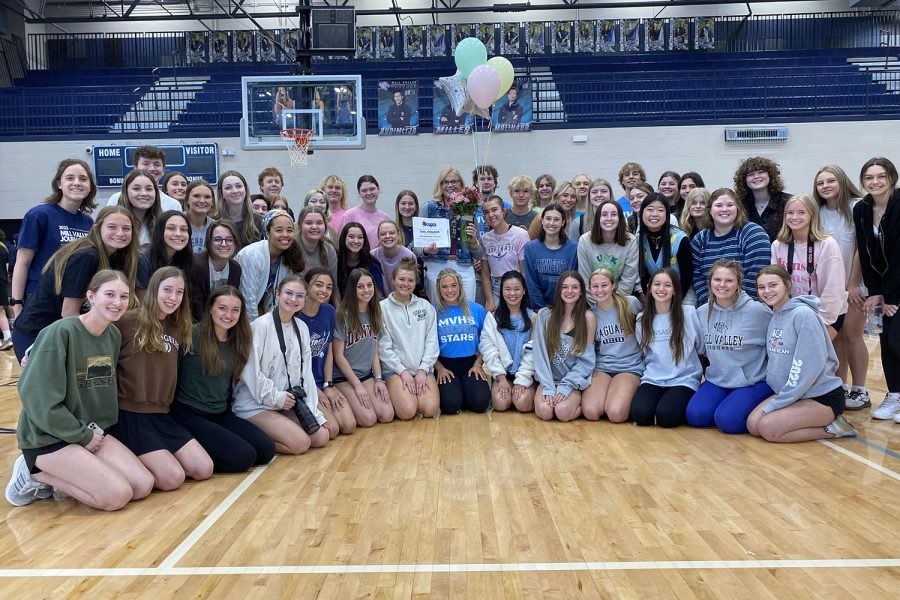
756 135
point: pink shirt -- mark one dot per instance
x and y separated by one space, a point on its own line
504 252
389 264
827 280
369 221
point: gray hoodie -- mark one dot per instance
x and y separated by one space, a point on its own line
799 368
659 366
616 352
409 341
735 339
564 372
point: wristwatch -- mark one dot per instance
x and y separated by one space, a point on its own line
327 385
14 302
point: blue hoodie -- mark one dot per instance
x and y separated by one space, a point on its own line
802 360
735 340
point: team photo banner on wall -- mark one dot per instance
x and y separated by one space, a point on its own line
387 42
681 34
460 32
218 47
196 48
365 42
437 41
265 46
511 41
514 111
705 37
608 35
414 41
243 46
536 41
398 108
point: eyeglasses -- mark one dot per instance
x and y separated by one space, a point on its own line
222 241
292 296
451 182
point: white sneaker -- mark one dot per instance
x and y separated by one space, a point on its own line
897 418
889 407
23 488
857 400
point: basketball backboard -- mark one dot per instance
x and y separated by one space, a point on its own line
329 105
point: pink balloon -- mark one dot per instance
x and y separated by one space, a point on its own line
483 85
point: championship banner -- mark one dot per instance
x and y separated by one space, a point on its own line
561 31
437 41
608 35
290 43
444 120
511 42
486 35
265 46
536 41
584 41
398 107
365 42
513 112
631 35
196 48
461 32
218 46
656 35
243 46
414 41
681 33
387 42
705 37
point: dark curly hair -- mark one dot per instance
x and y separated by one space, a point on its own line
757 163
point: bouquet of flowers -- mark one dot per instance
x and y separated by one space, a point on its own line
464 204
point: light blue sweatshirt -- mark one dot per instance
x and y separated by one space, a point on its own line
735 341
563 372
659 367
615 351
802 360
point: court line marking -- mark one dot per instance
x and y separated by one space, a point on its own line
858 563
200 530
861 459
875 446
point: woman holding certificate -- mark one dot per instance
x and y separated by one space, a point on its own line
464 243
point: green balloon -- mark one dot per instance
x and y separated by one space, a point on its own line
506 71
469 54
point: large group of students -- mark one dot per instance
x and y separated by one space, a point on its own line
186 330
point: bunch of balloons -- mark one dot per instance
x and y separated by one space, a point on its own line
478 82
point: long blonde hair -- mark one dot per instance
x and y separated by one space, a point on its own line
624 313
847 192
463 303
148 336
816 233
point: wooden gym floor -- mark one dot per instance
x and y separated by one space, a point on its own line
488 506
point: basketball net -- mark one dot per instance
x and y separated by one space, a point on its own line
297 143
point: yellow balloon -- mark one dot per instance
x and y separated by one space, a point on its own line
505 69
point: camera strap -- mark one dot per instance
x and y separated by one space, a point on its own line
810 262
280 333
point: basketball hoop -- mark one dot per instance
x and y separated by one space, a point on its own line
297 142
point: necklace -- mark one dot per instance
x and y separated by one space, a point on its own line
655 242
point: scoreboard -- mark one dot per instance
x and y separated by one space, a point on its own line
196 161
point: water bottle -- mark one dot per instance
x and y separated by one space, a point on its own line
874 321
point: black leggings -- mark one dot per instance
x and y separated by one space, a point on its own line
463 391
666 405
233 443
890 360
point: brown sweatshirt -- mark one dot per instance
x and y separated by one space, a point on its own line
146 380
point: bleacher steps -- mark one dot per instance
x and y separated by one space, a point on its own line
160 106
883 70
546 103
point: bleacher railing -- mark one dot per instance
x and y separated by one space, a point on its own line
729 34
706 96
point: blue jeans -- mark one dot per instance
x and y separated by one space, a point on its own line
725 408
